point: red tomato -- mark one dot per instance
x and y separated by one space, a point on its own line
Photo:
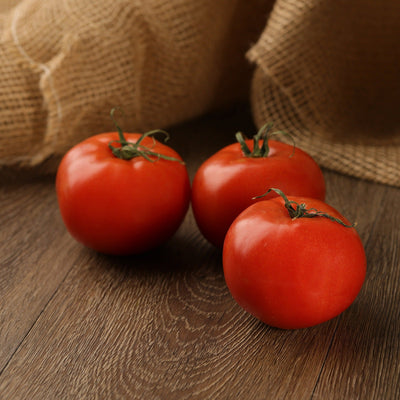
293 272
226 183
122 206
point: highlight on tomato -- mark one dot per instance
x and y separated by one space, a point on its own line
293 262
227 182
122 193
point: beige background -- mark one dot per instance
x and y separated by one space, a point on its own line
7 4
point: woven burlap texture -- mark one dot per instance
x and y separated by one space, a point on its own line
66 63
325 71
328 73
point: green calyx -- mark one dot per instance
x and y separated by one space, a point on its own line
262 136
297 210
128 150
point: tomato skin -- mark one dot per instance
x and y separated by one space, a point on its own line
292 273
120 206
226 183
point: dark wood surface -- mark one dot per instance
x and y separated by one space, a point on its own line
75 324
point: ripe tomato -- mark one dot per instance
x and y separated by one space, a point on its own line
293 271
226 183
122 206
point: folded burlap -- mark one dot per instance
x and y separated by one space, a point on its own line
328 72
325 71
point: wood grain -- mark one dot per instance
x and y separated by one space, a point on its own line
34 258
78 324
129 328
363 361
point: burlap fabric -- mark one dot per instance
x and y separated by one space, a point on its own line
327 71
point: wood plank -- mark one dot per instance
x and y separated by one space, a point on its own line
164 326
363 361
35 249
34 258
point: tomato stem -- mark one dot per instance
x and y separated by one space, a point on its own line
128 150
122 139
263 135
297 210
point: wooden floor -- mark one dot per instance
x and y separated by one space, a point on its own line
75 324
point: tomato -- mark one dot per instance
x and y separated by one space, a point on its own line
293 270
122 206
226 183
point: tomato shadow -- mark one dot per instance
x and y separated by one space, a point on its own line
182 254
350 337
367 325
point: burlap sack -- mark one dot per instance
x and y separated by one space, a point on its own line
66 63
326 71
6 5
329 73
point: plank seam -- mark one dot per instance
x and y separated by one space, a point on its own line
326 357
35 321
